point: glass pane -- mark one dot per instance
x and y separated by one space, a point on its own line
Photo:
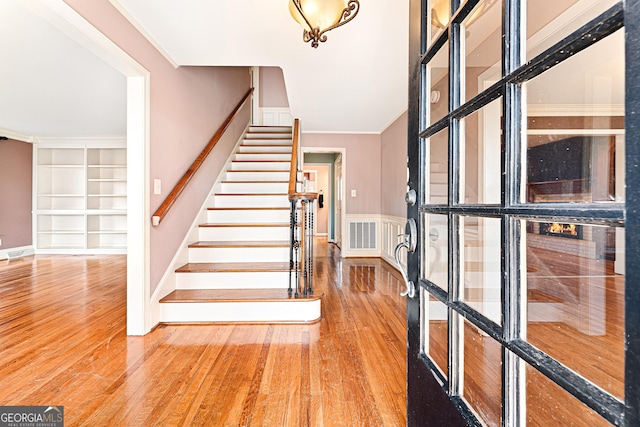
435 250
482 374
575 298
576 127
436 168
550 405
436 338
438 72
439 15
481 265
557 19
482 47
481 156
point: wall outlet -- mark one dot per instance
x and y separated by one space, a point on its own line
157 186
353 193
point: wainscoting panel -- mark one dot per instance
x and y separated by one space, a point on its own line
272 116
391 228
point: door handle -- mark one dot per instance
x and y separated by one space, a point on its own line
410 245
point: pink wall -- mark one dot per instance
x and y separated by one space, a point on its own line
188 104
15 193
393 143
362 168
273 92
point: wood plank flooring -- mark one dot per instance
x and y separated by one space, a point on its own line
63 341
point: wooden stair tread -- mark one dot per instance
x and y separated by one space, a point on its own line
210 267
246 224
234 295
251 194
254 182
258 208
536 295
258 170
241 244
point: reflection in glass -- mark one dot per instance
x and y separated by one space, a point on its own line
439 15
575 127
483 47
557 19
438 72
482 374
575 298
481 265
436 339
549 405
435 250
436 170
481 156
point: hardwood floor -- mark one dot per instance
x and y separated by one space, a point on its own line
62 335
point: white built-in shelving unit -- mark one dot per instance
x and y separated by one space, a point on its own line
80 198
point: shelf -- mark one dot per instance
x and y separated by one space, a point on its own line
80 199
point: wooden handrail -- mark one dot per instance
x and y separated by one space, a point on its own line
182 184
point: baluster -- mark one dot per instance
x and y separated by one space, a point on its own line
310 253
292 241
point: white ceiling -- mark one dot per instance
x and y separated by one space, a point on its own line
50 86
354 82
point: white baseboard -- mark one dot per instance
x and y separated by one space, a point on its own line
17 252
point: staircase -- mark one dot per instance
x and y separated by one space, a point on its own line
238 271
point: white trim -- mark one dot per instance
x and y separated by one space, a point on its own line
343 205
142 30
67 20
26 251
18 136
256 117
101 141
544 110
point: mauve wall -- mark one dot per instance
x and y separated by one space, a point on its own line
273 92
362 167
393 143
15 193
187 106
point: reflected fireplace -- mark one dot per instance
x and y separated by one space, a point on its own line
571 231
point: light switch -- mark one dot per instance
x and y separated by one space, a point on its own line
353 193
157 186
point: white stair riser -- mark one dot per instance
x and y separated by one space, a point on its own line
239 254
247 216
261 149
234 234
231 201
254 187
285 157
286 311
234 280
268 166
264 141
283 129
257 176
268 135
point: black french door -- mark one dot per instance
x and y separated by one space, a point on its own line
524 172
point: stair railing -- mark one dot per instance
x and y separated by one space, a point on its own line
189 174
301 225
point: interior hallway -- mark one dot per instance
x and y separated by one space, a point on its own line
63 341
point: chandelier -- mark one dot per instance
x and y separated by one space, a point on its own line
319 16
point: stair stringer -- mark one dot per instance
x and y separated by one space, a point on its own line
167 283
